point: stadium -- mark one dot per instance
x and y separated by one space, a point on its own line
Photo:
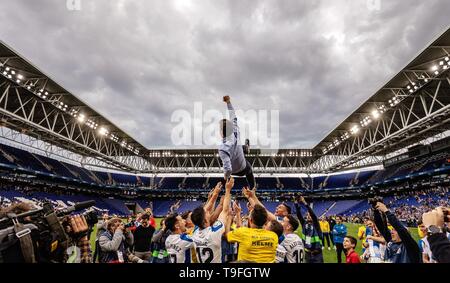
57 151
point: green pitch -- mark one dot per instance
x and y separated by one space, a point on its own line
329 256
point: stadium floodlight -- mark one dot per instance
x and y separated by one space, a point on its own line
19 76
81 118
9 77
434 68
7 69
436 73
5 73
13 72
354 130
447 59
28 87
18 81
441 63
376 114
445 67
103 131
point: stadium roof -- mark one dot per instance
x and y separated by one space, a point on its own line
44 109
29 71
426 74
412 106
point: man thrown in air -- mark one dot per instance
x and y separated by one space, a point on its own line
231 151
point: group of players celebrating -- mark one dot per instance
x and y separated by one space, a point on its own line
262 237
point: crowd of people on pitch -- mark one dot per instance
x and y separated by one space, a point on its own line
218 232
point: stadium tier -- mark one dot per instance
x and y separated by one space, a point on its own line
12 158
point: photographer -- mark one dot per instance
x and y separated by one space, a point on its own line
143 239
434 221
113 242
400 247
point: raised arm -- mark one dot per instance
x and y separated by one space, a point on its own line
381 225
226 200
314 218
439 243
408 241
233 117
237 209
299 214
217 211
253 200
212 198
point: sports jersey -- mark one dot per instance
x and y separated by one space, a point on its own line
208 243
230 150
281 254
178 247
293 247
324 226
255 245
362 234
190 231
425 246
352 257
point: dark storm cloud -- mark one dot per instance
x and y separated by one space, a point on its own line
137 62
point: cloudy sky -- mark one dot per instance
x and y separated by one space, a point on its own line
139 61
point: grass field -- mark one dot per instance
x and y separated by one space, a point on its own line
329 256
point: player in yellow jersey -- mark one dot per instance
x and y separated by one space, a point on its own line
362 232
255 243
325 227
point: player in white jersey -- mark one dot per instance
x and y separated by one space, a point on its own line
207 237
292 244
178 243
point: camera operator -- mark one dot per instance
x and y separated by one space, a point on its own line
143 238
114 241
44 242
435 221
400 247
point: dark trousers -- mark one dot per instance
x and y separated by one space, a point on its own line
327 237
339 250
248 173
314 256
